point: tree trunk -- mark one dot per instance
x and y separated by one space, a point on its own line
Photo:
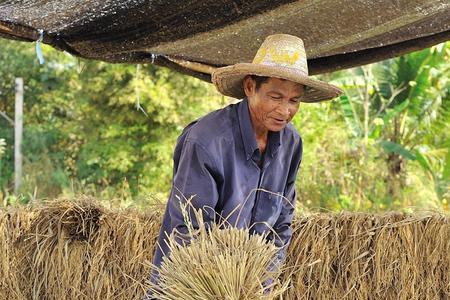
395 180
395 166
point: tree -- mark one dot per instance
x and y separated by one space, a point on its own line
99 125
394 104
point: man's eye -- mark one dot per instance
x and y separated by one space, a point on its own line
275 97
295 100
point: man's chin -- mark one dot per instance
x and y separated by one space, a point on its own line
277 127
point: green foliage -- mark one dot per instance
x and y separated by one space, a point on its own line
93 125
391 147
336 173
350 116
110 129
402 106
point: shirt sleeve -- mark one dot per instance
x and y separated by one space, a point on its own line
283 226
194 181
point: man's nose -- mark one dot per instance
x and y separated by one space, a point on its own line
284 109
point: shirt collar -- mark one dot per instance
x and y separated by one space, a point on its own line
248 134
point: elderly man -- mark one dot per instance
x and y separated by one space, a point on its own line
241 162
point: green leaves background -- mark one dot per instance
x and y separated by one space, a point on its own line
110 129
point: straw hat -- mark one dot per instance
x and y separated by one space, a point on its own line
282 56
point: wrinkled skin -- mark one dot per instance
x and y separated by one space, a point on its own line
272 106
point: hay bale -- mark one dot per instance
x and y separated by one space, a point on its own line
80 249
366 256
13 224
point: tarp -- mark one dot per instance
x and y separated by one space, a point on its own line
195 36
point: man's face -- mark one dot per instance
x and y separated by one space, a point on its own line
274 104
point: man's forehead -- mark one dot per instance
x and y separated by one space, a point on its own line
282 83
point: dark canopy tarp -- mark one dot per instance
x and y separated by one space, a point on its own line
194 36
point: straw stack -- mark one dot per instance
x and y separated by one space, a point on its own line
366 256
77 250
83 250
13 225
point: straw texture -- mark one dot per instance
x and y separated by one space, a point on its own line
218 262
83 250
364 256
75 250
281 56
229 80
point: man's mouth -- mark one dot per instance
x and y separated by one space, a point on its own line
280 121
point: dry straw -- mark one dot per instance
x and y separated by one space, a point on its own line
82 250
366 256
218 263
14 223
77 250
281 56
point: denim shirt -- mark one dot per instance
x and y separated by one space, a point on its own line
218 162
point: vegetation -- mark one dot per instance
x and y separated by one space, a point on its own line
385 143
109 131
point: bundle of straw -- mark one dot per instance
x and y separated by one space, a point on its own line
219 263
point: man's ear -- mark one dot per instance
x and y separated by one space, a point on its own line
249 86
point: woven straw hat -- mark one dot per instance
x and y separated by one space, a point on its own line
281 56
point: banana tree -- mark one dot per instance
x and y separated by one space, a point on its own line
402 105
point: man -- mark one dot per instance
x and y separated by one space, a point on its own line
240 163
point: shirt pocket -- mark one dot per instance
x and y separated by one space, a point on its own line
267 211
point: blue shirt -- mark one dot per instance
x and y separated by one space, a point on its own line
217 160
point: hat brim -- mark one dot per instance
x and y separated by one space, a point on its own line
228 81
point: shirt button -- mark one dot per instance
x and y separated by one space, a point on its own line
270 196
